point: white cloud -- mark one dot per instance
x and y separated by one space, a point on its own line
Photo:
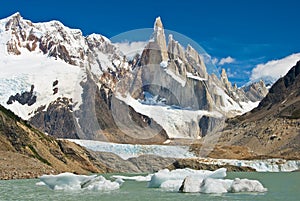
214 60
275 68
226 60
130 49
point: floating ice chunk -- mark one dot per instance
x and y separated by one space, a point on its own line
216 186
171 185
40 184
133 178
180 174
219 186
202 181
101 184
70 181
246 185
65 180
208 185
191 185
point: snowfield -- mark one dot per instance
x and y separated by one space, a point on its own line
18 73
170 118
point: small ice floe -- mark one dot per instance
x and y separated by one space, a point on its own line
70 181
133 178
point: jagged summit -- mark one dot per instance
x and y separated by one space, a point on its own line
158 24
159 39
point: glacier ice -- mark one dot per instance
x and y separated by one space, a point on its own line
126 151
70 181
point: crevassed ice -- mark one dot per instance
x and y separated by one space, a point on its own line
128 150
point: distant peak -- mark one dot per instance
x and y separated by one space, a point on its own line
223 73
15 15
158 23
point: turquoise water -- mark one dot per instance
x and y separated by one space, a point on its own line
281 186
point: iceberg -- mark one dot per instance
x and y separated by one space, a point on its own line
180 174
70 181
246 185
202 181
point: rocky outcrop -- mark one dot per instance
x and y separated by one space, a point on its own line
209 124
24 98
198 165
57 120
151 163
256 91
25 150
140 164
196 62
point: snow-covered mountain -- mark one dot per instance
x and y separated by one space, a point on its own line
53 58
76 86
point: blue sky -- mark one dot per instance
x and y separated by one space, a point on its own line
250 32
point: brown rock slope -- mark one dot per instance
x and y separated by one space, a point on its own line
26 152
273 128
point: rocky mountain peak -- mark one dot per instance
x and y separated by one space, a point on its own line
175 49
158 24
160 39
13 21
224 79
195 59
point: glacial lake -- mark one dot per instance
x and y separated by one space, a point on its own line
281 186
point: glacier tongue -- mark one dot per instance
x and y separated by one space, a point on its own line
126 151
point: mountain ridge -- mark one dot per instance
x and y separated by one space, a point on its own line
90 70
273 128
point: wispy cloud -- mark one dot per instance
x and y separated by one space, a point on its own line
130 49
275 68
226 60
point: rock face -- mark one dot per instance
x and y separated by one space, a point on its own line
57 120
29 153
159 39
256 91
271 129
24 98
